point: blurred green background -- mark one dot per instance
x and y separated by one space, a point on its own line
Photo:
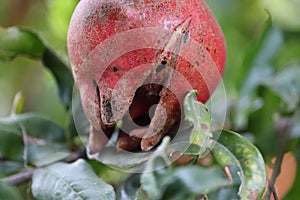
50 20
243 23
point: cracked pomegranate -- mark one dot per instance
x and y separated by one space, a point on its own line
133 60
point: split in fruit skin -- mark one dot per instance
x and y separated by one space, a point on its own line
167 110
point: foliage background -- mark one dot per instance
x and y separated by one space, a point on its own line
243 24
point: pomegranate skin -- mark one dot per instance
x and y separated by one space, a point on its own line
140 34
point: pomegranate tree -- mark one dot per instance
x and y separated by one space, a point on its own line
133 60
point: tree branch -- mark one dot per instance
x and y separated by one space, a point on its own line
24 177
282 130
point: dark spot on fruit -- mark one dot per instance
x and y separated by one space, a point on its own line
164 62
105 11
207 49
115 69
107 109
160 67
215 51
186 36
197 63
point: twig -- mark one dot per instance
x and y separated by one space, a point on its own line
24 177
282 132
20 178
271 190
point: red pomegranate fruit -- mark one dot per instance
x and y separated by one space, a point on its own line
133 60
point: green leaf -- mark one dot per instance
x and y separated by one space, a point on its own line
70 182
290 51
194 180
131 188
224 194
9 167
262 53
35 125
30 126
11 142
259 62
185 182
62 75
44 154
16 41
160 181
8 192
261 123
184 148
157 164
198 116
120 159
232 148
231 192
19 41
141 195
295 126
286 84
249 101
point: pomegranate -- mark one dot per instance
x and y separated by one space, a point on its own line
133 60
